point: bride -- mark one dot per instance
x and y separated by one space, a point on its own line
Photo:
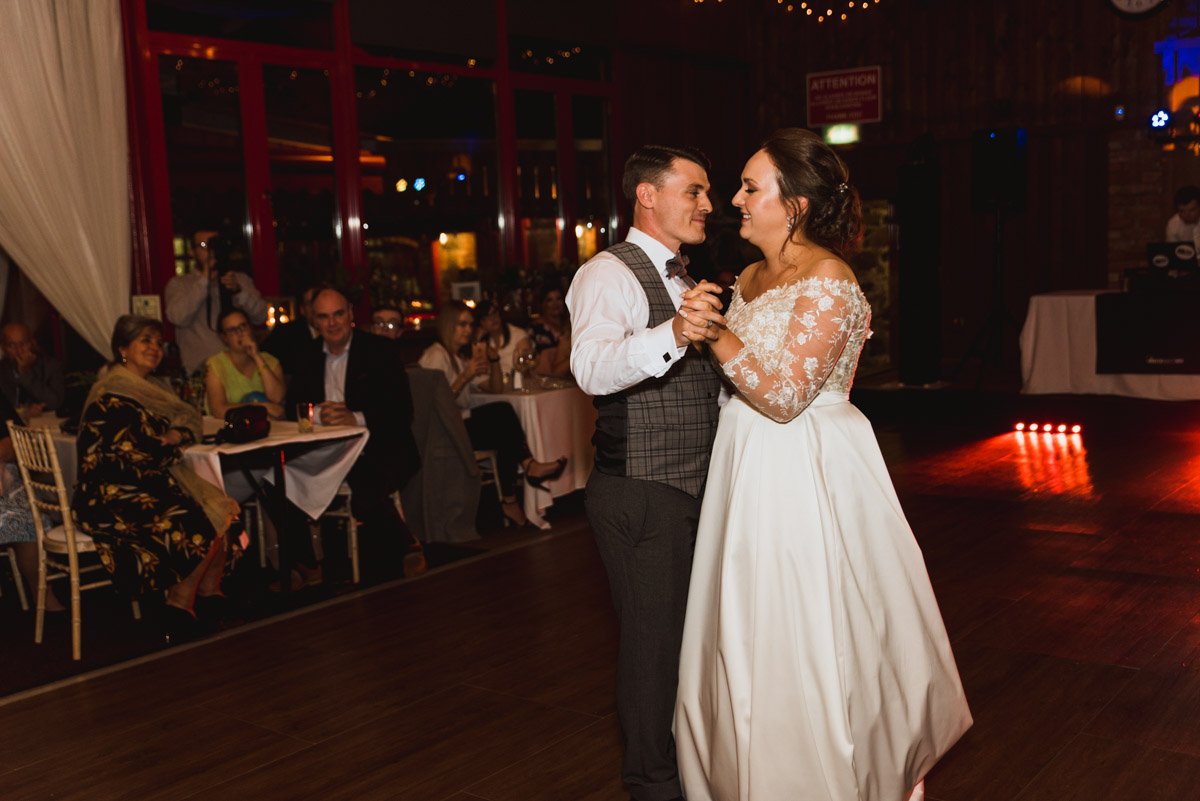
815 664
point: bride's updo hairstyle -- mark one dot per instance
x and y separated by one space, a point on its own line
808 168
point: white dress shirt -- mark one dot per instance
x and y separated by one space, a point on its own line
335 378
611 347
1179 231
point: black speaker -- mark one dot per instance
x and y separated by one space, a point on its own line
999 167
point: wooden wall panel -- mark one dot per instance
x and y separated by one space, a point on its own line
725 75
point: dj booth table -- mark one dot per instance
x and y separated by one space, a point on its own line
1156 337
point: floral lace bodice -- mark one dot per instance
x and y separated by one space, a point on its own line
800 339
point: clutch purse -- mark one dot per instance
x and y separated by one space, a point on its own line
244 424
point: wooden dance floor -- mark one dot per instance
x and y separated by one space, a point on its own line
1068 571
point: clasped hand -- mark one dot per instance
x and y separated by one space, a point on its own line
173 437
699 319
335 413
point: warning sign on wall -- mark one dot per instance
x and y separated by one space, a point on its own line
845 96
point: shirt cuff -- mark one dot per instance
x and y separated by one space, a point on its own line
662 350
361 419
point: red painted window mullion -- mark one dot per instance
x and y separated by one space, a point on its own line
345 146
257 159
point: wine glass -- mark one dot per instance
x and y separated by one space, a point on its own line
524 364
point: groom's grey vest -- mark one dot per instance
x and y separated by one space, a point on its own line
661 429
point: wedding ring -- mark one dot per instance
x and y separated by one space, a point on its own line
708 323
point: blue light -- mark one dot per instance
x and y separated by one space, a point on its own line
1160 119
991 134
462 176
1119 113
418 184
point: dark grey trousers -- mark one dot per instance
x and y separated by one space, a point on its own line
646 533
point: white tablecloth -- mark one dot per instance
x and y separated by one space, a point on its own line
557 422
313 474
1058 354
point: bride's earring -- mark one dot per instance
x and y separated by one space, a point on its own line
791 221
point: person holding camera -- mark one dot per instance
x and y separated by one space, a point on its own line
196 301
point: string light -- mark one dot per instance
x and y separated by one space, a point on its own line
560 54
852 9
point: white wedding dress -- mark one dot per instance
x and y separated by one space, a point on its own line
815 664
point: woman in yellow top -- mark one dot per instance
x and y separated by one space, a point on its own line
241 375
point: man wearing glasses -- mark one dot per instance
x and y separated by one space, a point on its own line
194 301
27 377
387 321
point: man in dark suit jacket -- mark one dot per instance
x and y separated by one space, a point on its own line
290 342
356 378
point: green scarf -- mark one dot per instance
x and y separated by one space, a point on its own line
157 399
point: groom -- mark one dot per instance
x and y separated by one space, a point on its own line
656 400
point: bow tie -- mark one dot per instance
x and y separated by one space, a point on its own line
677 266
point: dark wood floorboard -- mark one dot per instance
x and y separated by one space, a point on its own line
1068 573
579 767
1093 768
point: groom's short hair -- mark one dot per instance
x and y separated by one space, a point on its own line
649 163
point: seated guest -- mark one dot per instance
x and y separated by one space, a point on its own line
355 378
387 321
502 338
193 301
290 341
551 334
27 377
491 426
16 520
156 524
241 375
1182 225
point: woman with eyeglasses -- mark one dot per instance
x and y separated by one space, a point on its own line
242 375
491 426
157 525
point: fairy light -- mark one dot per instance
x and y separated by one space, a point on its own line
825 12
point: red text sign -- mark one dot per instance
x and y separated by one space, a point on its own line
845 96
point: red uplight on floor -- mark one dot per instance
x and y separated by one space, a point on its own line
1049 428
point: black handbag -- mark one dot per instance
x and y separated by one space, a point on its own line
244 424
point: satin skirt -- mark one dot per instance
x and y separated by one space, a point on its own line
815 665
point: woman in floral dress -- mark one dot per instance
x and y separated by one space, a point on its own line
156 524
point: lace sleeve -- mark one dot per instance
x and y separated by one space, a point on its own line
781 385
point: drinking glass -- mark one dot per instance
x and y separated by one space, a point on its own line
304 418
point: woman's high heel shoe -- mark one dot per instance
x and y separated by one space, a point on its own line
520 522
540 481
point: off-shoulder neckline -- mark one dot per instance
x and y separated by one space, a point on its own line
737 287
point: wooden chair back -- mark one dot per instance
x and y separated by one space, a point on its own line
43 479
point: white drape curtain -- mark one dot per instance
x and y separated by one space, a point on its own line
64 196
